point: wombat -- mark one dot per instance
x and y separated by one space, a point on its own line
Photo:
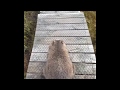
58 65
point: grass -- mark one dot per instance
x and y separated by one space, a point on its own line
30 19
91 22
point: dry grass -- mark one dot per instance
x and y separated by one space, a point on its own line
30 19
91 21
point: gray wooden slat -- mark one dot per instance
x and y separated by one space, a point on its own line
33 76
61 26
62 33
94 69
75 57
49 12
37 76
36 67
71 48
61 15
80 68
81 57
85 77
67 40
57 21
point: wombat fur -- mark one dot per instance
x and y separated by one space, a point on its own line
58 65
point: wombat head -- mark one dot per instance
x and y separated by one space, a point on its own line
58 48
59 44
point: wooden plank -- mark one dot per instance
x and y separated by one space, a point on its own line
59 20
85 77
75 57
61 26
71 48
67 40
33 76
80 68
62 33
36 67
38 76
84 58
94 69
61 15
49 12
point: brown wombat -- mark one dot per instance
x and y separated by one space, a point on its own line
58 65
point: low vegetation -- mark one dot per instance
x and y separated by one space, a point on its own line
30 19
91 22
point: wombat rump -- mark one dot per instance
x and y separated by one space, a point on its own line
58 65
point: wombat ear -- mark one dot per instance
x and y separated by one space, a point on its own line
62 41
53 42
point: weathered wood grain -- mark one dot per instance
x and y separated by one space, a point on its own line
61 26
61 15
71 48
59 21
85 77
49 12
80 68
38 76
62 33
75 57
33 76
67 40
83 68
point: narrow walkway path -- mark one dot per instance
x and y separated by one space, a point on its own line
71 27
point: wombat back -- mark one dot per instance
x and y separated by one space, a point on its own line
58 65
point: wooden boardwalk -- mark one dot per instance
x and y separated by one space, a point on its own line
71 27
